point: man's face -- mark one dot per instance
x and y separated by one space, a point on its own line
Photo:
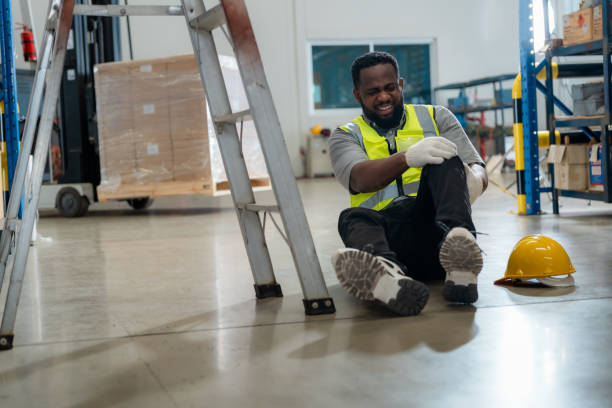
380 95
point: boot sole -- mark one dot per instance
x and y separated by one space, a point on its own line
364 276
461 258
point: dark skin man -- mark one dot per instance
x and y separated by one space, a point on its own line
380 95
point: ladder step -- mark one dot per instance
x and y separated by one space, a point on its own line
208 20
257 207
234 117
13 225
120 11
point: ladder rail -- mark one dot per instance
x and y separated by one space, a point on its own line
229 145
12 210
275 150
22 244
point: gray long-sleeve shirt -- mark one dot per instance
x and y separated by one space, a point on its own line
346 151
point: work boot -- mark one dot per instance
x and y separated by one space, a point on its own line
370 277
461 258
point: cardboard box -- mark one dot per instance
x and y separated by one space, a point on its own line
578 27
570 164
590 107
587 90
597 23
154 133
595 173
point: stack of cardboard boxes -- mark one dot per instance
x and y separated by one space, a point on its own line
577 167
153 130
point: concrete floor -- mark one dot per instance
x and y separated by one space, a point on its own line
125 309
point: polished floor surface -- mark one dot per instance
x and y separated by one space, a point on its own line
156 309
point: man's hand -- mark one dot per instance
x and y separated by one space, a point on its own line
431 150
476 181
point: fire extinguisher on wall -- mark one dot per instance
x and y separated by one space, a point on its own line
27 40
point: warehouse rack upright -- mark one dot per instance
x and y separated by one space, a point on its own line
9 91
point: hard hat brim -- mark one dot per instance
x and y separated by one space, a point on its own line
555 282
548 281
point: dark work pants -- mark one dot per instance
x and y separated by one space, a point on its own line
413 228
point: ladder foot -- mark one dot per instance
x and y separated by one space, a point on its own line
319 306
6 342
267 291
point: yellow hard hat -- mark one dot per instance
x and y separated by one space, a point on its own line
537 257
316 129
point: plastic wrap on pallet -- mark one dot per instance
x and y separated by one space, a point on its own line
153 127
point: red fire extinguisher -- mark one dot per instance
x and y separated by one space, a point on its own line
27 40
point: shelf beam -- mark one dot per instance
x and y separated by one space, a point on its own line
476 82
585 195
579 121
590 48
471 109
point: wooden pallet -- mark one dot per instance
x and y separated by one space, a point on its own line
170 188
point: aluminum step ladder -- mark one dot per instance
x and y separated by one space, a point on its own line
230 14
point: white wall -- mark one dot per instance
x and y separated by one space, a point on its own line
473 38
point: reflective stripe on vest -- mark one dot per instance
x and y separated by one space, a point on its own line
419 124
389 193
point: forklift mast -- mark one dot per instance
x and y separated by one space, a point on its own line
93 40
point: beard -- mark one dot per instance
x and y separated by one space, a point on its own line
386 123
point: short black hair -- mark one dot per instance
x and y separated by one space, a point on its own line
369 60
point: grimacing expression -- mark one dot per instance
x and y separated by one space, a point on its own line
379 93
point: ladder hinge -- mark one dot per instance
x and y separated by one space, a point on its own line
14 225
208 20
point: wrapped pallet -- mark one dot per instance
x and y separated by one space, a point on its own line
154 135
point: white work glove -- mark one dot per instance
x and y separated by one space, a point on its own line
431 150
474 183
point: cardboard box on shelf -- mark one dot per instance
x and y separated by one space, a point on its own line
595 173
578 27
588 98
587 90
570 163
597 23
590 107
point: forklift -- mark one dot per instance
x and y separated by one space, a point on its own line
73 168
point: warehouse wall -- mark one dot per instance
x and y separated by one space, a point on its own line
472 38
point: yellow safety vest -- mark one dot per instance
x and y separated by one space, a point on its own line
419 124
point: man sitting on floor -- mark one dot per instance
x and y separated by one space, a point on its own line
412 175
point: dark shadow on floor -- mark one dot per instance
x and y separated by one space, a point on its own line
144 213
540 291
442 332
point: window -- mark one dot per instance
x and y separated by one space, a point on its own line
332 85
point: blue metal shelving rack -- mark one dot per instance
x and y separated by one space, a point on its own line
602 48
529 86
498 86
9 89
